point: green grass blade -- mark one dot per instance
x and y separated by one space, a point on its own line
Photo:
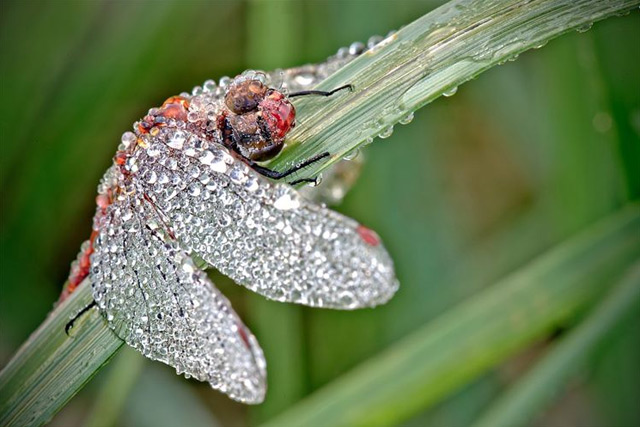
469 339
114 394
542 383
429 57
51 367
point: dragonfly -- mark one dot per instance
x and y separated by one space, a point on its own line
187 190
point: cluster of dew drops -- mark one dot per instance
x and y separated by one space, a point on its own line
376 42
373 43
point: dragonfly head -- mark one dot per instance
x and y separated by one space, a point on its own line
258 120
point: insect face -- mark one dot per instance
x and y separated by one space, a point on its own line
257 121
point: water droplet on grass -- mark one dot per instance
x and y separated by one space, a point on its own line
351 154
450 92
406 119
386 133
584 27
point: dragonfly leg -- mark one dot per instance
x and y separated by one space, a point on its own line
301 180
270 173
69 325
319 92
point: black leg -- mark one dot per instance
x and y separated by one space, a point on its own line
270 173
83 311
301 180
319 92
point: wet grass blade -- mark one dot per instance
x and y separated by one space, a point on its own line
116 391
547 378
51 367
431 56
473 337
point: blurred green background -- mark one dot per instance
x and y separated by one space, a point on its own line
521 158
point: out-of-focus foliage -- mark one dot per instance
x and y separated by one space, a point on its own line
517 161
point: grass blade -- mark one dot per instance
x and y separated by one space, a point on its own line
469 339
51 367
425 59
116 391
542 383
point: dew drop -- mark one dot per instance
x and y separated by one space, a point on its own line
585 27
237 174
373 40
152 177
342 53
209 86
224 82
192 116
541 44
406 119
356 48
352 154
346 300
450 92
251 184
386 132
286 199
177 140
194 190
128 138
305 79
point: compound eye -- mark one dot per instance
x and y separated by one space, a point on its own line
244 97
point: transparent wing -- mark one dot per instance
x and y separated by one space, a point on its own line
262 235
156 300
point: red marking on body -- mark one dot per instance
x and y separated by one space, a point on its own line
177 100
243 335
368 235
103 201
120 158
279 114
173 111
220 120
145 125
142 128
80 270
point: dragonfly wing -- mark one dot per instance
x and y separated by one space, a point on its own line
156 300
264 236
